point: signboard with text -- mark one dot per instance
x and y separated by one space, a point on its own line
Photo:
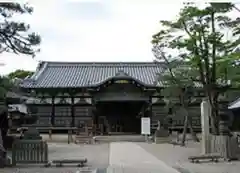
145 126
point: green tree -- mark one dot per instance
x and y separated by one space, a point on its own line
5 85
15 36
21 74
198 36
179 90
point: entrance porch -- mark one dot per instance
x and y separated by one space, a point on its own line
120 117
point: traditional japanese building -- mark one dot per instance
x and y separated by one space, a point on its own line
111 97
235 109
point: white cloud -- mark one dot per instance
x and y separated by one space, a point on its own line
121 30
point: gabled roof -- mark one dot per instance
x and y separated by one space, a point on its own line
90 74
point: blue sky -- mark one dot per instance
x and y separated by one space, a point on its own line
93 30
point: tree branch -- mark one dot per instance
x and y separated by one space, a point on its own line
196 53
213 76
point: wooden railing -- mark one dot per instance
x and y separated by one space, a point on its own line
29 152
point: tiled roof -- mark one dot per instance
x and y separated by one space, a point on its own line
86 74
235 104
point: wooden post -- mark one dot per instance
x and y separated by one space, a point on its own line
69 136
72 112
53 112
86 129
50 133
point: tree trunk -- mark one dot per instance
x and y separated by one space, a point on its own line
214 129
214 115
184 130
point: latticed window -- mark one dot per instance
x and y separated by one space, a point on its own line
82 111
44 121
63 121
41 111
63 111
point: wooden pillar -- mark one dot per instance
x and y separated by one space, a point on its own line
72 112
150 107
94 116
53 112
150 114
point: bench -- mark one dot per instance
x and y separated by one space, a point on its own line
211 157
60 163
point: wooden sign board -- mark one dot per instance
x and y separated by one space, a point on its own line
121 81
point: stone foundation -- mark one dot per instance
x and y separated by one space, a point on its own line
160 140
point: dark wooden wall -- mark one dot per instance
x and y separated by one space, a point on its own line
62 114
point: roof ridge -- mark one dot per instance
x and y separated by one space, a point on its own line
102 62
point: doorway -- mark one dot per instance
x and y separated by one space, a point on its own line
120 117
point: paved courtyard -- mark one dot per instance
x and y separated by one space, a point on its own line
115 157
97 156
129 157
177 157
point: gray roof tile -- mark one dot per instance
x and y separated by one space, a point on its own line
235 104
86 74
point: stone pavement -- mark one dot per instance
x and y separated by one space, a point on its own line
177 157
97 155
116 157
128 156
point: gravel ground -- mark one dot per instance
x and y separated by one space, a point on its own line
97 156
177 157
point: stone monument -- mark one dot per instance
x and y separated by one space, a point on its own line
205 114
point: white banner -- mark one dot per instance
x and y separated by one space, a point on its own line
145 126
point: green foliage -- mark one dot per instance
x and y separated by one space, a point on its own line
205 39
178 88
15 36
21 74
5 85
199 38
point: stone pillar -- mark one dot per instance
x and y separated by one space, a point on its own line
159 125
205 114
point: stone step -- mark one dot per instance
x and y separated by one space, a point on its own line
119 138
